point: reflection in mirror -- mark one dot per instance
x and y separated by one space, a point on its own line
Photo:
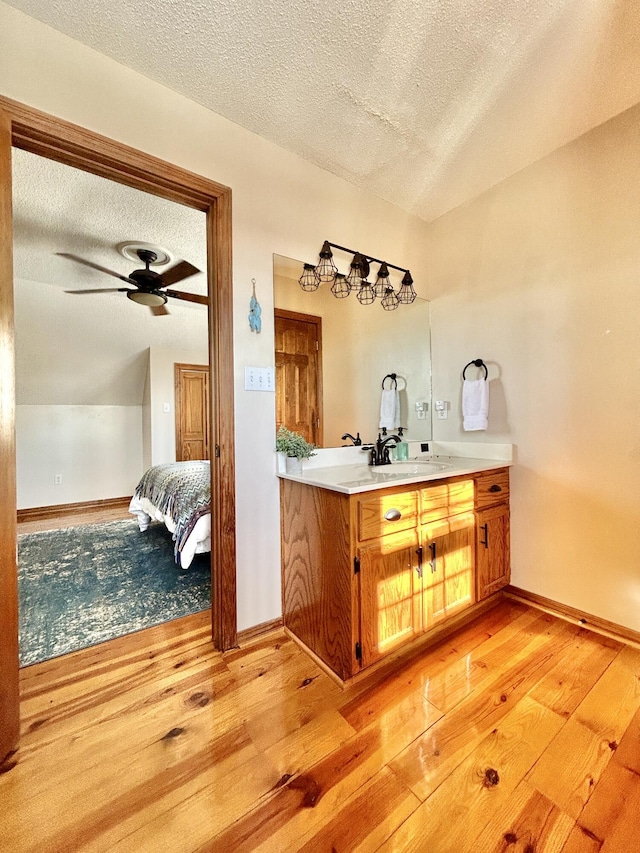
358 346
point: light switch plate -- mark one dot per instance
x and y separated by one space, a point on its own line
259 379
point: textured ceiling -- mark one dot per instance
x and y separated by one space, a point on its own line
91 349
424 103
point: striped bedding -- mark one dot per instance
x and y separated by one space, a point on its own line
178 494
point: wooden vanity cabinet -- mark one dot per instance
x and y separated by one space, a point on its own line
493 562
366 574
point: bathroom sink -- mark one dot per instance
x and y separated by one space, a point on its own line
363 475
418 466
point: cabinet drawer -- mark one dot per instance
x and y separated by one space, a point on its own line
445 500
379 515
492 488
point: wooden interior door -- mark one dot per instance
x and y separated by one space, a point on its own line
192 411
298 344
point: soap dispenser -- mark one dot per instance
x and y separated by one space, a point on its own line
402 447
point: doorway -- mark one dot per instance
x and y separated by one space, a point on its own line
50 137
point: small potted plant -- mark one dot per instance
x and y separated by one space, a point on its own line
295 448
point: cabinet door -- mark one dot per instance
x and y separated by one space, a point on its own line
493 560
390 589
447 563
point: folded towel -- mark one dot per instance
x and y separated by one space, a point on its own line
475 404
389 409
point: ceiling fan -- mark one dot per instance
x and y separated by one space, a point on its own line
148 287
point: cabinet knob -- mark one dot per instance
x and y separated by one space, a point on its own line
495 488
393 515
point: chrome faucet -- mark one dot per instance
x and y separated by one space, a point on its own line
357 441
380 453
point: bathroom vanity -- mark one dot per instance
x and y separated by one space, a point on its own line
374 562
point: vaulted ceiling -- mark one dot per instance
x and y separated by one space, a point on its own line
425 103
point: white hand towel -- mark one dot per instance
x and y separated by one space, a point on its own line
475 404
389 409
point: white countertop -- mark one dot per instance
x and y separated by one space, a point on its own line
358 477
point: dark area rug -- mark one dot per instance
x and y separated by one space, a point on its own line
83 585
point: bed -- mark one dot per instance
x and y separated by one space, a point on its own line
179 495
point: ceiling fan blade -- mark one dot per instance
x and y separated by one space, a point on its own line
96 266
181 271
159 310
188 297
101 290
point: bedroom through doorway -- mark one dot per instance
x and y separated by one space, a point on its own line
96 402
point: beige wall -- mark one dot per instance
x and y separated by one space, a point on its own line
281 204
541 277
96 450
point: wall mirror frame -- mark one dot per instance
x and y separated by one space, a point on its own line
360 345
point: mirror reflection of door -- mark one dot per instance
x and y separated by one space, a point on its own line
298 346
192 411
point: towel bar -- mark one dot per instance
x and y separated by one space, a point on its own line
477 362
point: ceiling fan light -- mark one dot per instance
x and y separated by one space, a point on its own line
152 300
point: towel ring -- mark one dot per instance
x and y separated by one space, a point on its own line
477 362
393 378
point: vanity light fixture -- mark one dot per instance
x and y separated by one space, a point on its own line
390 300
326 269
382 282
365 295
407 294
309 279
356 280
340 287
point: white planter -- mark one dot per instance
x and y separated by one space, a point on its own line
293 465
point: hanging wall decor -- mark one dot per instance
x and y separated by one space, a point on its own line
255 320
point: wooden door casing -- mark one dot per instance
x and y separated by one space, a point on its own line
49 136
192 411
9 668
298 358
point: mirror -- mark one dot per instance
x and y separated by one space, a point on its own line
360 345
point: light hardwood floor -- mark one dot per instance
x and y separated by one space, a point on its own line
519 733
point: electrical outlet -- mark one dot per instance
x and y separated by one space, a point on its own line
57 479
